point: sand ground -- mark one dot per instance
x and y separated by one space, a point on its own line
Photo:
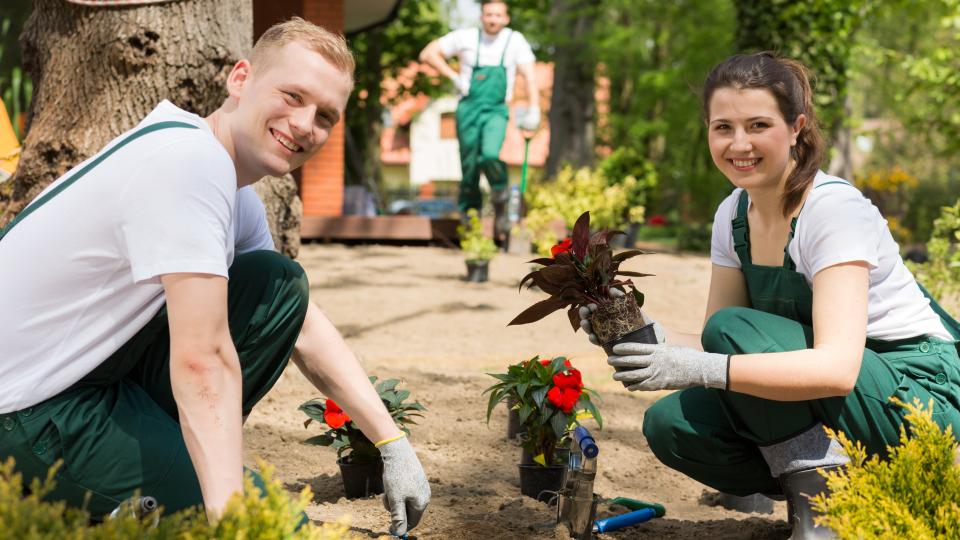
408 314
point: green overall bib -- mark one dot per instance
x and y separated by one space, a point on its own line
713 435
117 429
481 127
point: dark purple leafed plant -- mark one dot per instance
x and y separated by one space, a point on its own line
582 271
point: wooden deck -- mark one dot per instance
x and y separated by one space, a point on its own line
391 228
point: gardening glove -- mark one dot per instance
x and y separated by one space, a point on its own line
530 120
667 367
462 84
587 310
406 491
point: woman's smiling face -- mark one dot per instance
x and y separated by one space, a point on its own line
749 139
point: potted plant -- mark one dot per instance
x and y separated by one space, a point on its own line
548 395
477 247
361 467
583 270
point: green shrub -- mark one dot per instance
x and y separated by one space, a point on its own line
250 516
573 192
475 245
941 274
914 493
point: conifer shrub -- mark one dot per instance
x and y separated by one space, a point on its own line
913 493
273 515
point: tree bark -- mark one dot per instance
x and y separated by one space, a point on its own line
98 71
573 103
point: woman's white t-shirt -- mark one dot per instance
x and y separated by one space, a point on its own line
837 224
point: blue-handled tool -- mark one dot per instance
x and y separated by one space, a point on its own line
624 520
586 442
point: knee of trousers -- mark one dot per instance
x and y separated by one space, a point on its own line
487 161
283 275
725 328
659 428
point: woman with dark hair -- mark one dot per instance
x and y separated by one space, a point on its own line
812 318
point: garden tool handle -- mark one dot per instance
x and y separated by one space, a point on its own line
586 442
624 520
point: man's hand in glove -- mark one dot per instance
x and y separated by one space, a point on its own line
530 121
406 491
643 366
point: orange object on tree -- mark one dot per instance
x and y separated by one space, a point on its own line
9 146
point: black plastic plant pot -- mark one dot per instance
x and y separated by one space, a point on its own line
560 456
477 271
645 334
361 479
541 483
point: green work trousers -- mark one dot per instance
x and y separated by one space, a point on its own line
481 128
713 435
116 430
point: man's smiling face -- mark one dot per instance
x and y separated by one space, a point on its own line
286 110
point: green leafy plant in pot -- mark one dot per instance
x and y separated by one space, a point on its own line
548 395
478 248
361 467
582 271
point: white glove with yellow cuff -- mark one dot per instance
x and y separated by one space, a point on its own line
406 491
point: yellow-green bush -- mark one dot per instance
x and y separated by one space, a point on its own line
914 493
941 274
274 516
575 191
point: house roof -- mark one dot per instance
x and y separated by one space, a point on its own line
395 141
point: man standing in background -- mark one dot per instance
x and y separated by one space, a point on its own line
489 59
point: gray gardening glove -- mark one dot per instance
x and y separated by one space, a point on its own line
406 491
587 310
667 367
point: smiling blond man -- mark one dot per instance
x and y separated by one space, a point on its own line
146 313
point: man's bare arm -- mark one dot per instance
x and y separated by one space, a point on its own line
326 360
207 383
433 56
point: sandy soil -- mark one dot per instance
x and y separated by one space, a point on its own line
408 314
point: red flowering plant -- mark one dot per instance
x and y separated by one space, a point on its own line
345 436
549 395
582 271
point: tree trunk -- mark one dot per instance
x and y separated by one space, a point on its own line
98 71
573 103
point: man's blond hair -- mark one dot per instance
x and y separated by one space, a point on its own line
332 47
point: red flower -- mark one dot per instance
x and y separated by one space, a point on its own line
334 416
564 398
657 220
563 247
566 390
572 379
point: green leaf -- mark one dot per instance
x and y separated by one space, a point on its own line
590 406
558 422
524 412
388 384
522 388
539 395
321 440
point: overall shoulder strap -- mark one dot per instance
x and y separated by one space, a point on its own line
88 167
741 242
506 46
476 62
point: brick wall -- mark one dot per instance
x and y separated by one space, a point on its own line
321 178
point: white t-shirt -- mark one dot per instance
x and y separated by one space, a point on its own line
463 44
836 225
80 275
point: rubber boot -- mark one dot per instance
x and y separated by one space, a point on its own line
501 220
799 487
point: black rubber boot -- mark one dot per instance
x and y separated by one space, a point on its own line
799 487
501 221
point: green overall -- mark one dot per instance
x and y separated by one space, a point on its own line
713 435
481 127
117 429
